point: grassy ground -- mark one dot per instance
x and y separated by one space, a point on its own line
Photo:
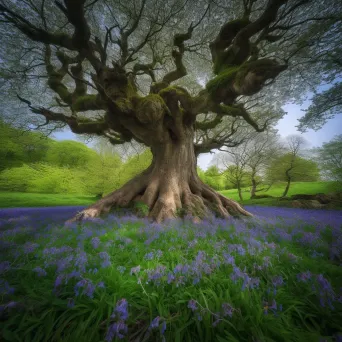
22 199
129 280
18 199
278 189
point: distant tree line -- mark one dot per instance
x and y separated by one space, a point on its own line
31 162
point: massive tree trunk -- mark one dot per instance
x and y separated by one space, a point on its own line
170 183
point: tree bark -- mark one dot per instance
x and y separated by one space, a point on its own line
254 186
169 184
240 192
288 176
287 187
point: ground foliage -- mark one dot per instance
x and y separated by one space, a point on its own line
276 277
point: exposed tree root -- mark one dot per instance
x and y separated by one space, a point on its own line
165 198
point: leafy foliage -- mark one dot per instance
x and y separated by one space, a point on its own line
302 170
69 153
330 158
18 147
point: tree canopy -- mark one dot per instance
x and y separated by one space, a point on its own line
329 157
98 57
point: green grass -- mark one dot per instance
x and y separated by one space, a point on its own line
22 199
42 312
278 189
19 199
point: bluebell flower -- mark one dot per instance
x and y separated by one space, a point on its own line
155 323
228 259
192 304
104 256
59 280
149 256
135 270
121 269
170 277
117 329
277 281
163 328
105 263
305 276
4 266
30 247
95 242
121 310
5 287
159 254
71 303
40 271
227 310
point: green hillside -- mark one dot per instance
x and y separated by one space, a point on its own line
21 199
278 188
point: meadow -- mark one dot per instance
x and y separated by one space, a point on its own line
26 199
277 190
276 277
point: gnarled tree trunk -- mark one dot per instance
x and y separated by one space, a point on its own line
170 183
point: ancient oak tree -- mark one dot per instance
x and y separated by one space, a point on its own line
124 60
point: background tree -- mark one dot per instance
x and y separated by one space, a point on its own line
291 166
329 158
18 147
116 70
69 153
246 164
214 178
260 151
234 161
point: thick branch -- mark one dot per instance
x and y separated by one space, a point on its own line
177 55
77 125
80 40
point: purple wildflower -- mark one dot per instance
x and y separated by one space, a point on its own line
73 274
121 309
135 270
89 290
180 281
277 281
30 247
116 329
227 310
121 269
170 277
101 285
40 271
71 303
149 256
59 280
163 328
5 287
95 242
4 266
155 323
305 276
273 306
228 259
192 304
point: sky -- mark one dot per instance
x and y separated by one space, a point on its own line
285 127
